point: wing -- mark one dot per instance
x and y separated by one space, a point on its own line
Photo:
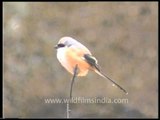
92 61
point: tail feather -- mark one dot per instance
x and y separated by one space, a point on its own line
106 77
94 66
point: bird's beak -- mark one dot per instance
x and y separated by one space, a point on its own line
56 46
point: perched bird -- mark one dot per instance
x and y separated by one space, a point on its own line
72 54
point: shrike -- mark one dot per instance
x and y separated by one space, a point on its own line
78 60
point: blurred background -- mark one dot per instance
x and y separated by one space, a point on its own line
123 36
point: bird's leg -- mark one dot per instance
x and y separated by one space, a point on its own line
74 76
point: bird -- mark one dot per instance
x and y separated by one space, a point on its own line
78 60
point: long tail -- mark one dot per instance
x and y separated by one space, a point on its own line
94 66
106 77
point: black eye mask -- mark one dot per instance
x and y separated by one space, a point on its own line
60 45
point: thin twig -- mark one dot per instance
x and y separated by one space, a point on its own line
73 78
68 110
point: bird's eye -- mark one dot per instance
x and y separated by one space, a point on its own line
61 45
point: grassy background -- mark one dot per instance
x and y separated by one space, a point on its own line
123 36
